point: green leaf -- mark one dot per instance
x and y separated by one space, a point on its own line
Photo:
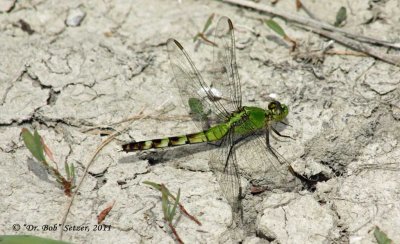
340 16
196 37
196 106
38 142
275 27
72 170
209 22
25 239
34 144
67 170
172 214
381 237
165 203
152 184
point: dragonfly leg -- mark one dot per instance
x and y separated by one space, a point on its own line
227 158
269 145
284 123
279 134
291 170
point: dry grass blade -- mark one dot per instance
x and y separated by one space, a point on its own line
103 214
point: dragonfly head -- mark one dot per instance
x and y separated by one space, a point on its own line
278 110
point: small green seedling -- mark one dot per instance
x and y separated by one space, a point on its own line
381 236
341 16
202 34
279 30
158 187
39 149
169 207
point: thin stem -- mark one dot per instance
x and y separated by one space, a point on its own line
185 212
175 233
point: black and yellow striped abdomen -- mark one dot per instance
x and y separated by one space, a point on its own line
213 134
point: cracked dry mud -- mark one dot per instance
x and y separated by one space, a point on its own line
69 66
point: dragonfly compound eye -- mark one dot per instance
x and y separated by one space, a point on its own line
275 106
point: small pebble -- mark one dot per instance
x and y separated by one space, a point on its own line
75 17
6 5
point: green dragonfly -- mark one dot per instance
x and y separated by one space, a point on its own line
218 112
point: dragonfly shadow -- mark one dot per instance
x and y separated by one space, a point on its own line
157 156
279 41
279 127
38 169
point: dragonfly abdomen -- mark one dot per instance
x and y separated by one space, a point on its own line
212 134
165 142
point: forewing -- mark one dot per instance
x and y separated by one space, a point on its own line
224 165
224 73
192 87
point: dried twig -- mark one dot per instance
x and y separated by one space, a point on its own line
175 233
356 45
102 145
98 129
309 22
329 31
345 52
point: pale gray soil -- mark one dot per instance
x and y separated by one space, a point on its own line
62 78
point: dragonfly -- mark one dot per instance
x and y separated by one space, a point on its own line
216 106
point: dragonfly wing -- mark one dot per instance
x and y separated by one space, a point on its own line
224 73
224 165
262 162
192 87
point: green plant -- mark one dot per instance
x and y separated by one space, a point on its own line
169 207
35 143
381 236
341 16
202 34
279 30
